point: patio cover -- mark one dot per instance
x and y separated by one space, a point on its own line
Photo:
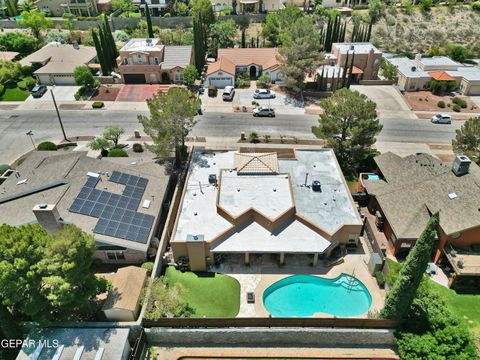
441 76
291 237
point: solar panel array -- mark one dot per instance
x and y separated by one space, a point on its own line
117 215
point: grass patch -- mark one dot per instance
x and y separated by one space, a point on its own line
130 15
14 93
209 294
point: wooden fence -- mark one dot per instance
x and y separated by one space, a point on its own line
272 322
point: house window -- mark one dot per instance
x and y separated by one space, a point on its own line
139 58
179 76
115 255
155 59
125 61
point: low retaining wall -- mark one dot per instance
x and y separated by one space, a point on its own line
295 337
378 82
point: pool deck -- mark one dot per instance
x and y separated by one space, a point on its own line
264 271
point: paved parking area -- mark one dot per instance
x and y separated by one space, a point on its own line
282 104
61 93
140 92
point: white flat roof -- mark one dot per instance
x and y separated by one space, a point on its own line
438 61
291 237
358 47
142 45
268 194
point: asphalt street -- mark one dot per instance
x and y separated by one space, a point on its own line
15 123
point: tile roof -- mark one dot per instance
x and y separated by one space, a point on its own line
417 185
256 163
441 76
227 59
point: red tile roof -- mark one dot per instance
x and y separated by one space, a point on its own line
441 76
227 59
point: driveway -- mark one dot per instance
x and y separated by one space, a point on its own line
61 93
390 102
282 104
139 92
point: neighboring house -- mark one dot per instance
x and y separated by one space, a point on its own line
52 7
366 63
144 61
8 55
252 61
408 190
415 75
247 204
123 301
55 62
81 7
77 343
75 7
155 6
115 200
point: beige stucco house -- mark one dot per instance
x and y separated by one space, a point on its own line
146 61
248 204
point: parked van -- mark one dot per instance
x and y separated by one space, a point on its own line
228 93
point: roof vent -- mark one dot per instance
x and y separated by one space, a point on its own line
316 186
212 179
452 196
461 165
414 68
352 47
42 206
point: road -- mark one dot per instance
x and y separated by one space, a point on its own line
44 124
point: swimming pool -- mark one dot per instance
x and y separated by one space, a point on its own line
305 295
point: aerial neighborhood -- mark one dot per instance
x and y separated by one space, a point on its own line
247 179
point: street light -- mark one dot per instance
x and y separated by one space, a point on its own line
30 134
58 113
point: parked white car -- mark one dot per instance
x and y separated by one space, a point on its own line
441 119
264 94
264 111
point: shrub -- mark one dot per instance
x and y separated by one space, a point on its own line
253 137
263 80
47 146
441 104
456 108
380 279
254 103
138 148
26 70
3 168
460 102
117 152
148 266
27 84
98 105
476 6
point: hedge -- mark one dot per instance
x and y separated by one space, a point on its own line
98 105
47 146
116 152
460 102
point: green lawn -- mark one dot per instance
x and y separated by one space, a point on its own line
14 93
130 15
209 294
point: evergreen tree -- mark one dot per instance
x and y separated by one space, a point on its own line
350 73
110 41
8 326
344 72
400 297
100 55
107 51
149 21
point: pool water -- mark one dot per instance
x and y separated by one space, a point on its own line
305 295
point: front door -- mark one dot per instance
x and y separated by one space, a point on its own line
253 72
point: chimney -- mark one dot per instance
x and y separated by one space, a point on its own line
461 165
48 217
418 57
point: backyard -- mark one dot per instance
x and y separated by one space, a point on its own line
209 294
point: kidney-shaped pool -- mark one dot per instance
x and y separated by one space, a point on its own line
305 295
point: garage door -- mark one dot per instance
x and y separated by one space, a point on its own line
134 78
63 80
474 90
221 82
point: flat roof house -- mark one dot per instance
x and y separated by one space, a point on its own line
56 62
414 75
76 343
117 202
232 62
408 190
143 61
263 203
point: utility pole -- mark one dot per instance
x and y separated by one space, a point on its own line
58 114
30 134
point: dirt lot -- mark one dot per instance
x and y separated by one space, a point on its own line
426 101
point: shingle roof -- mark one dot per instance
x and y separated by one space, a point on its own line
418 184
8 55
61 58
176 56
256 163
127 286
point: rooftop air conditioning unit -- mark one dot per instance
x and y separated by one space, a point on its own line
460 264
461 165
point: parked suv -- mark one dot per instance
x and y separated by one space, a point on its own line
228 93
441 119
264 111
38 91
264 94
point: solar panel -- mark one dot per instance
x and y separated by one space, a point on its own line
117 215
